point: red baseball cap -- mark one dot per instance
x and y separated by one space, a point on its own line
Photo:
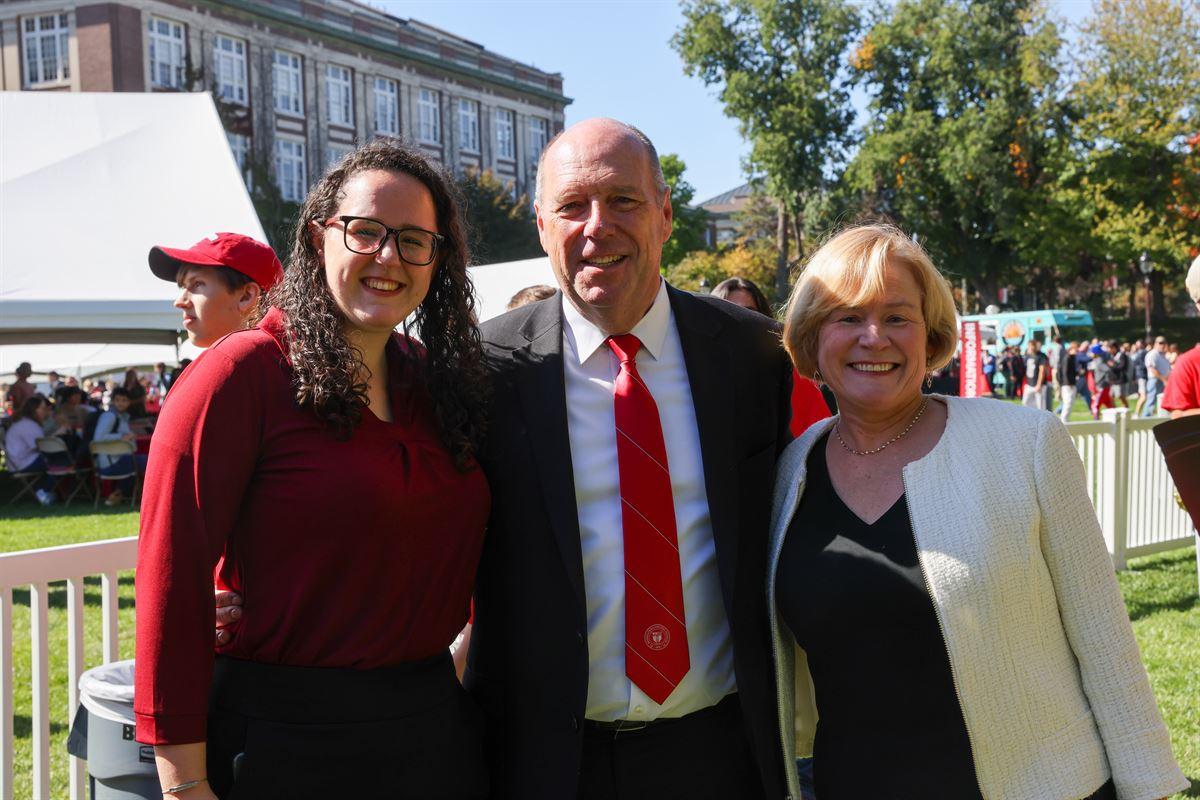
248 256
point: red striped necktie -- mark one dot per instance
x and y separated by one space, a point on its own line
656 647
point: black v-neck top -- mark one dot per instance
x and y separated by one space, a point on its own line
853 594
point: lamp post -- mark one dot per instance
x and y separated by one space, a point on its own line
1146 266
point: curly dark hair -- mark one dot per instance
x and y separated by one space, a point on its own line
328 370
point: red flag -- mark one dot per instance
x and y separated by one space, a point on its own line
971 382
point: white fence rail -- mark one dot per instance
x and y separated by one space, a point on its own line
1127 481
37 569
1130 486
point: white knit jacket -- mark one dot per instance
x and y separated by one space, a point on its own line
1048 673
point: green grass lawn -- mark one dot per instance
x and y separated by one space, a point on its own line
1160 592
25 527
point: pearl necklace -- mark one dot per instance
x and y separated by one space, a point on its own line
892 440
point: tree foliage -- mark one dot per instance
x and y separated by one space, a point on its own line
1139 131
977 138
276 215
754 260
780 69
964 117
500 225
687 233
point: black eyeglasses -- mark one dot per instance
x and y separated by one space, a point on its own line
366 236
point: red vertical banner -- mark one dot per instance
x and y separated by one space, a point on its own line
971 382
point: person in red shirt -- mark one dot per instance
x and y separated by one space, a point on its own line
1182 395
323 467
808 402
22 389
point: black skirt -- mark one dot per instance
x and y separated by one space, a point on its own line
295 733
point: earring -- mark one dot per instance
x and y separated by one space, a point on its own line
817 375
928 380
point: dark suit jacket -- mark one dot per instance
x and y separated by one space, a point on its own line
528 663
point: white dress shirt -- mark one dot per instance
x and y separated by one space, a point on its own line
591 371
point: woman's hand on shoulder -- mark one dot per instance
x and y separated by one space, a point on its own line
229 613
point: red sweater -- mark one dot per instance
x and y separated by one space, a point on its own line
1183 387
808 404
357 553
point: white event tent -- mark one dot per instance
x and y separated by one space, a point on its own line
495 284
88 184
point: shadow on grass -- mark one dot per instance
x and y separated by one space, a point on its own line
24 511
1194 791
1139 610
29 508
57 596
1152 586
23 727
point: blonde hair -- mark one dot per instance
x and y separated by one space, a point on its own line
848 271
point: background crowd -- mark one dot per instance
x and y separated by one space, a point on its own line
1103 374
1056 377
49 427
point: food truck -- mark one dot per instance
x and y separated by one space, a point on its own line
1016 328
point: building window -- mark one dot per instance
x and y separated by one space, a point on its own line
289 169
239 145
229 67
338 96
387 118
539 134
289 84
505 145
336 152
167 53
44 40
468 125
429 117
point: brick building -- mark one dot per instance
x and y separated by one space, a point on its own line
301 80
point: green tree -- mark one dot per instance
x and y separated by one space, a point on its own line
687 233
780 69
1139 133
276 215
500 226
964 112
754 260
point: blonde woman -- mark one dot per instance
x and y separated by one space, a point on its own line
950 612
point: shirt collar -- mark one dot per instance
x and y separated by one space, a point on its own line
651 330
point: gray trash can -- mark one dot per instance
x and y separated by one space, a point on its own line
118 767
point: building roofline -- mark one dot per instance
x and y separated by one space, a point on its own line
311 26
728 195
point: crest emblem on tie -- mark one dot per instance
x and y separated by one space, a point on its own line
657 637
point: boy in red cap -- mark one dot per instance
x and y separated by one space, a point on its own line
222 280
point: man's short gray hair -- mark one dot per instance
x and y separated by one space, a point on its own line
660 183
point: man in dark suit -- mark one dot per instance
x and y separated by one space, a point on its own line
602 676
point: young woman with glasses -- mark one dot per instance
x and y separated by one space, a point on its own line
323 466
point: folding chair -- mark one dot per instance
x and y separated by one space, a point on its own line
27 481
61 464
114 449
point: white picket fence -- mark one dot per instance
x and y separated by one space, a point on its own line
1127 481
37 569
1129 485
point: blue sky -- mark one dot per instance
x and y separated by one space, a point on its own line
616 61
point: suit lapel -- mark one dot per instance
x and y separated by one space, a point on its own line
542 389
710 374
